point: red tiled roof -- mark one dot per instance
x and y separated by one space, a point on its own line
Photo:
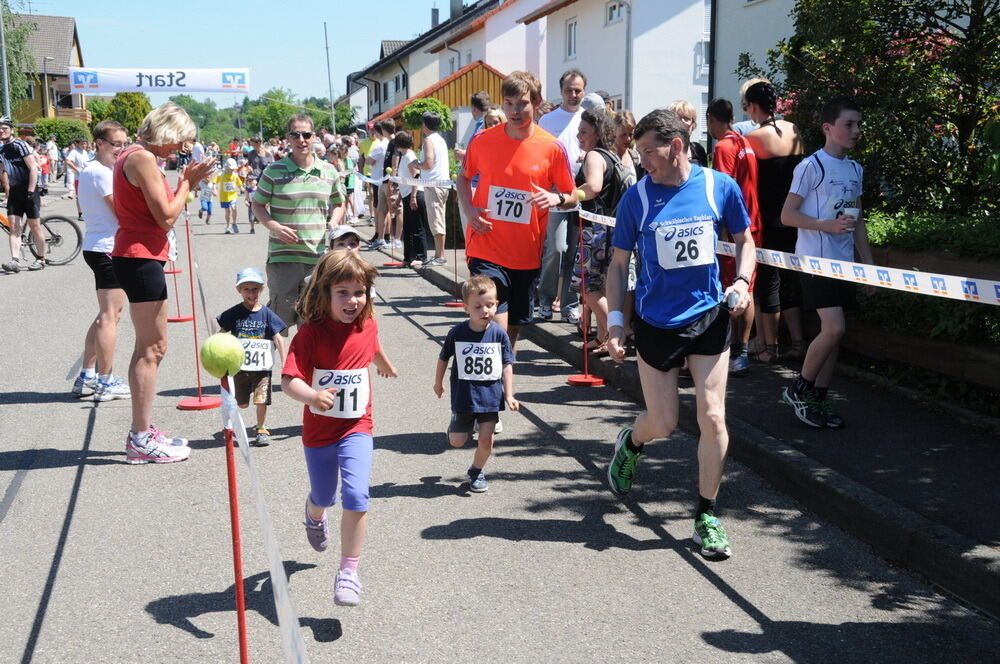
427 92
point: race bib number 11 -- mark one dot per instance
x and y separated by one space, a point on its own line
510 205
350 392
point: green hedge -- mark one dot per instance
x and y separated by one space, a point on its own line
923 231
937 318
65 130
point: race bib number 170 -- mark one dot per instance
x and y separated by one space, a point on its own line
685 245
510 205
350 392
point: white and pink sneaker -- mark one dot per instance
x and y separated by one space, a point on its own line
347 588
144 448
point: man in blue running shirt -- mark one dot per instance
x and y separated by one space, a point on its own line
672 218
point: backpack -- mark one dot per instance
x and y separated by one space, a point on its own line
619 179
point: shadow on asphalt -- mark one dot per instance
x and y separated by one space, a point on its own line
431 443
429 487
278 435
16 398
180 610
47 457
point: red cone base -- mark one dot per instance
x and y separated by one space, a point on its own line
585 380
199 403
180 319
173 272
455 304
392 264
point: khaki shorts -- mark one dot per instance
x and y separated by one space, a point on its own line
436 199
256 384
286 282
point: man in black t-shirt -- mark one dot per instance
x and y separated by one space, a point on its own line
23 200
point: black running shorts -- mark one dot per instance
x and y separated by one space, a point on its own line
104 274
665 349
141 278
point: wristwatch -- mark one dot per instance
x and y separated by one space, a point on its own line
742 277
562 198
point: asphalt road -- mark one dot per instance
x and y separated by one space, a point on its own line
106 562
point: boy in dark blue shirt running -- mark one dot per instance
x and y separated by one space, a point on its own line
258 329
482 375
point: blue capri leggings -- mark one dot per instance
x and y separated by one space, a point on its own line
351 457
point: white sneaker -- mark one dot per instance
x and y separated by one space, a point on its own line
143 448
164 438
84 387
116 389
397 244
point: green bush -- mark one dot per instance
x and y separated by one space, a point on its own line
66 130
413 113
923 231
936 318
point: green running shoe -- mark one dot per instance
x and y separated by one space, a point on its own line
622 466
833 420
711 537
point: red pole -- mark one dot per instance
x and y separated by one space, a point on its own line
457 301
234 520
199 402
584 379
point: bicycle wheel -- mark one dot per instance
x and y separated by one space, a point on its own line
63 240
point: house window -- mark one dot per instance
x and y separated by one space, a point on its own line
571 39
375 95
31 92
468 56
616 102
405 82
396 84
451 65
613 12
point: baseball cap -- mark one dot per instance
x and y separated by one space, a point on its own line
592 102
341 231
250 275
231 164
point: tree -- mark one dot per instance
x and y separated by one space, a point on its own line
344 115
20 63
924 71
129 109
414 112
271 111
98 110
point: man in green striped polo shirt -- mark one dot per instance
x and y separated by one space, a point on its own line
292 200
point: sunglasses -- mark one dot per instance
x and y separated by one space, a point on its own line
300 134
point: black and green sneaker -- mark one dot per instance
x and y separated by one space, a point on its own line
622 465
833 420
711 537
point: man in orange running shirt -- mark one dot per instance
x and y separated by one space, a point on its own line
519 164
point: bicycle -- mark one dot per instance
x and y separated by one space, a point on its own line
63 239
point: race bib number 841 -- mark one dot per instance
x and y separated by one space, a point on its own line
685 245
257 355
351 389
510 205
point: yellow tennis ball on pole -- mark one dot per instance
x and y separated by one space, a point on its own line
222 354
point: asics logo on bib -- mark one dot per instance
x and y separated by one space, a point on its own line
341 379
510 195
686 231
479 350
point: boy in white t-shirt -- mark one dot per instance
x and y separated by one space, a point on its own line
206 192
824 203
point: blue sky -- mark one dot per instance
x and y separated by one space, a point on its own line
281 42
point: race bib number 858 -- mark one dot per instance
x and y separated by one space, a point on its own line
685 245
351 389
478 361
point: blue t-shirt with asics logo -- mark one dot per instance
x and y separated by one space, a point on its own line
477 372
675 230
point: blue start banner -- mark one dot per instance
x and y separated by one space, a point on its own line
98 80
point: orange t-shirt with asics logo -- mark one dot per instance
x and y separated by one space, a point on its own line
507 169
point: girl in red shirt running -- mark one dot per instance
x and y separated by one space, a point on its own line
327 370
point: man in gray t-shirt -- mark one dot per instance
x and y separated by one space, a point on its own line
20 182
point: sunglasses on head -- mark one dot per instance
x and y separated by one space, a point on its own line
300 134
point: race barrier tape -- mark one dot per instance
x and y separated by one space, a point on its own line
948 286
288 620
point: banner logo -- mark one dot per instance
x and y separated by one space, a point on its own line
883 277
910 281
837 269
796 262
970 290
939 286
84 79
859 274
234 79
814 266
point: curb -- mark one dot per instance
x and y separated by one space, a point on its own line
959 565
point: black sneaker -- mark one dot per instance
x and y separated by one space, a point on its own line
807 407
833 420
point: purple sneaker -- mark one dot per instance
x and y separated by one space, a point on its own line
347 588
317 532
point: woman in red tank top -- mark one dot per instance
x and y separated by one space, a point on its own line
147 210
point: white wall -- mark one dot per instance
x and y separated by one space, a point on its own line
513 46
474 45
771 23
359 102
668 38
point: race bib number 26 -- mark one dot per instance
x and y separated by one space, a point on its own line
350 392
510 205
685 245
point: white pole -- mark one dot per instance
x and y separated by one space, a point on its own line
329 83
3 61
